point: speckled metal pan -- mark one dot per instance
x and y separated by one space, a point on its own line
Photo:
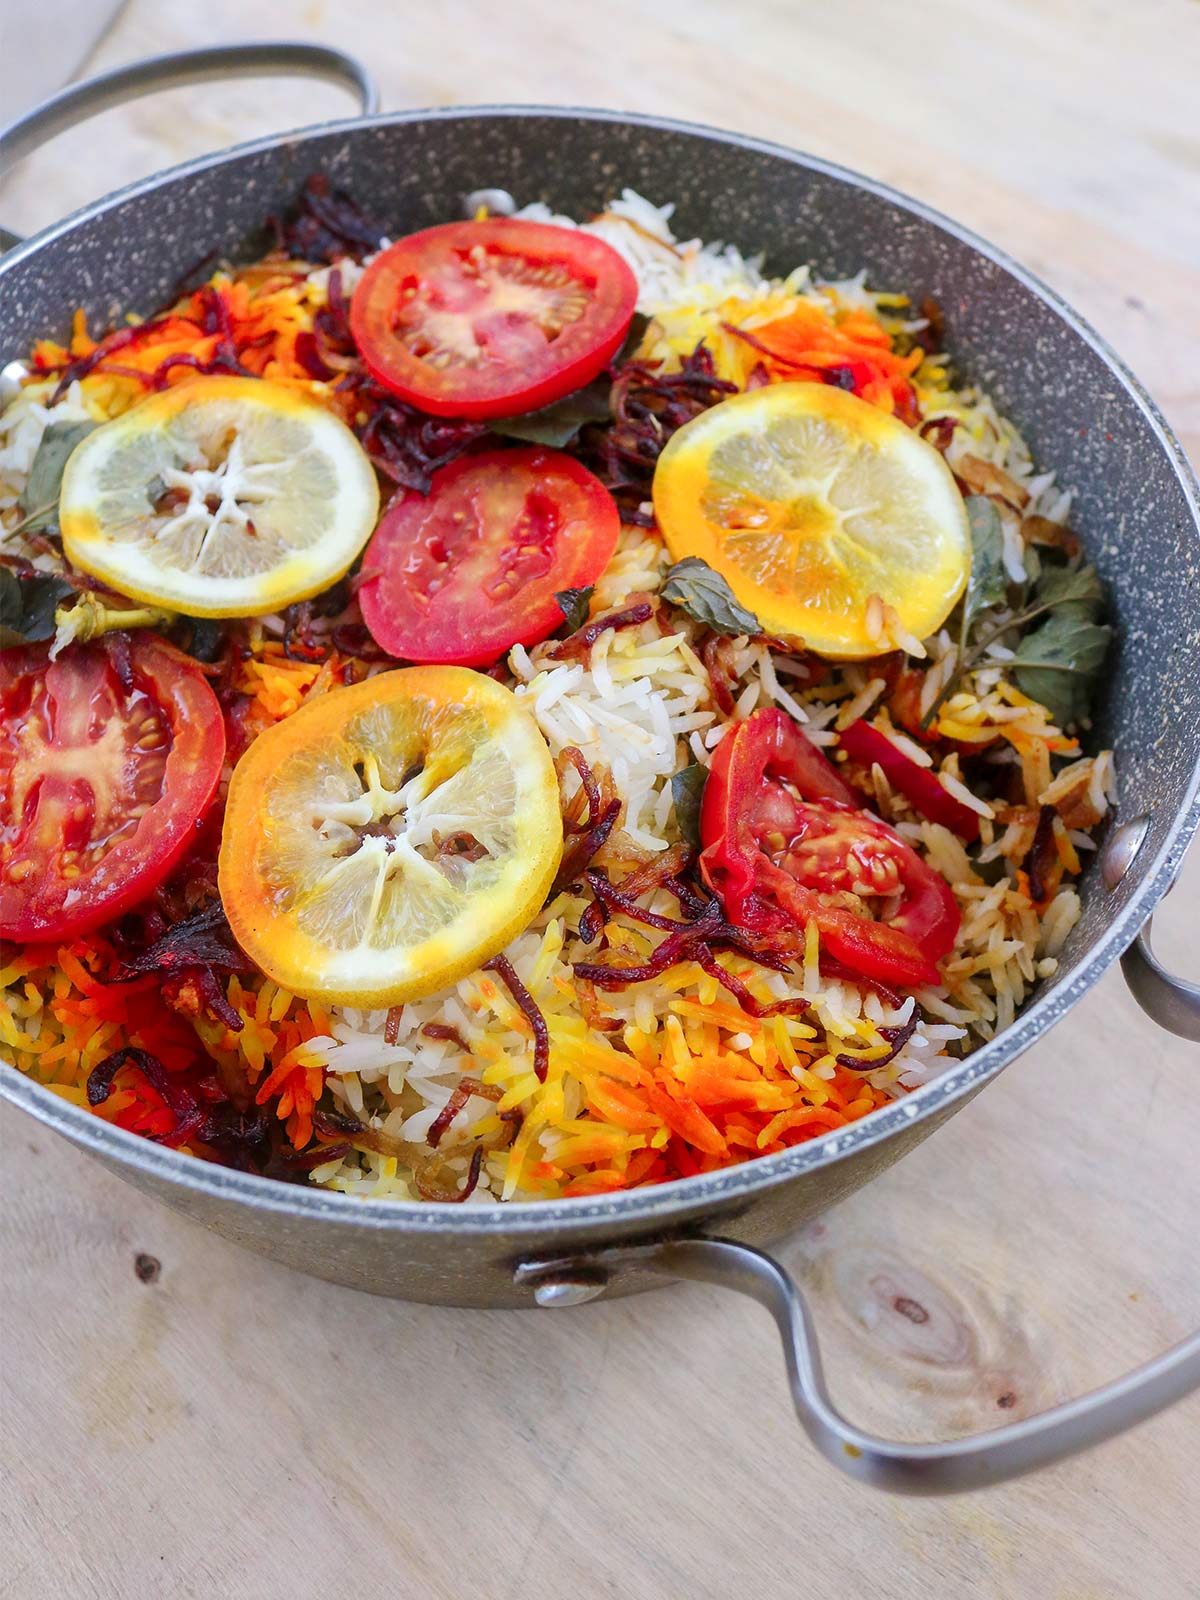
1136 508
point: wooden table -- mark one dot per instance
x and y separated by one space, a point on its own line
203 1423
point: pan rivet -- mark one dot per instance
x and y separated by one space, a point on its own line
1120 848
567 1292
567 1284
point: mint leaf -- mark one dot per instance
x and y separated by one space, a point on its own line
558 424
1062 585
1057 664
692 585
988 582
39 497
573 603
27 606
687 791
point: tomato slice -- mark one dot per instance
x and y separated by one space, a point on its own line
836 851
105 767
746 801
459 576
786 842
491 318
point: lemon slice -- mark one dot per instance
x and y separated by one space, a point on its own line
390 837
809 502
221 497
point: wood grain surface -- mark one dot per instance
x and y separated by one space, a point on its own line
178 1418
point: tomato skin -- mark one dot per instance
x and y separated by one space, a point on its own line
491 318
459 576
743 798
878 950
868 747
835 849
776 860
82 757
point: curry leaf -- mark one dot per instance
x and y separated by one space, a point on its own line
27 606
988 582
703 594
39 498
687 791
573 603
1057 663
558 424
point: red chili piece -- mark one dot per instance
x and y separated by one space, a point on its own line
868 747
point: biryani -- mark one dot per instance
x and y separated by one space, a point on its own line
526 709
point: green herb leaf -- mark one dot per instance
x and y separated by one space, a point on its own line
27 606
1062 585
687 791
637 332
207 637
987 585
39 498
573 603
558 424
1033 565
1057 663
703 594
988 582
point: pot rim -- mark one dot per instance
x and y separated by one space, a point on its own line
730 1184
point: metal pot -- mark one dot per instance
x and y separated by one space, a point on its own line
1137 509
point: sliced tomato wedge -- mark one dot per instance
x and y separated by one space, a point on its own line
786 842
105 767
491 318
460 575
746 800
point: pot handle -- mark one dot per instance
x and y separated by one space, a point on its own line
1172 1002
982 1459
947 1467
79 101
